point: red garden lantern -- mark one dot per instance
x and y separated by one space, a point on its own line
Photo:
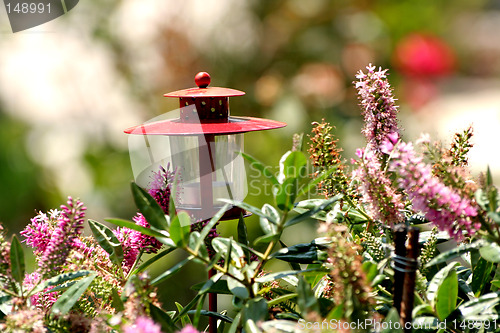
203 143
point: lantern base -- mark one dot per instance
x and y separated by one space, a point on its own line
232 213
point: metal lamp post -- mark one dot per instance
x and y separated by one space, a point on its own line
204 144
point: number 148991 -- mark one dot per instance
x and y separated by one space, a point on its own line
27 8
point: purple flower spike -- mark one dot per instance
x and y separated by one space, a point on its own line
69 227
378 105
441 204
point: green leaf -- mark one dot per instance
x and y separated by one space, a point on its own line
152 260
314 183
281 299
185 320
481 276
58 280
250 208
243 236
311 212
237 288
188 307
458 251
490 252
286 193
219 287
180 227
108 241
293 166
17 264
148 206
267 226
213 315
255 309
300 253
261 167
447 294
266 238
117 302
66 301
206 229
162 318
168 273
279 275
437 281
306 300
484 304
221 245
391 319
162 236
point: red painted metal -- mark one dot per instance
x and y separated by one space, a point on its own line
233 125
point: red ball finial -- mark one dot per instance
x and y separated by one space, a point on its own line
202 79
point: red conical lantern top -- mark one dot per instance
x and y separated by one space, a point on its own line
204 110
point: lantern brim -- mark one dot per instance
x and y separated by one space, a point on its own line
234 125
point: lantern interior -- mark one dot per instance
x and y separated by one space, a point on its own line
209 168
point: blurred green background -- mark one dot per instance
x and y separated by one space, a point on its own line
68 88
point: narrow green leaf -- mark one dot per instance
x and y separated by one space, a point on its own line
281 299
168 273
286 193
58 280
261 167
391 319
266 238
66 301
458 251
162 318
180 228
185 320
148 206
17 265
314 183
214 315
299 253
206 229
188 307
152 260
162 236
250 208
481 276
306 300
117 301
236 322
108 241
308 214
479 305
447 294
243 236
279 275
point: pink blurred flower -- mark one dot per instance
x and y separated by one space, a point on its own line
143 325
424 55
189 329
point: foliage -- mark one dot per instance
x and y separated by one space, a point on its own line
346 275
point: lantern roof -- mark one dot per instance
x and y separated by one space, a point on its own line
204 111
